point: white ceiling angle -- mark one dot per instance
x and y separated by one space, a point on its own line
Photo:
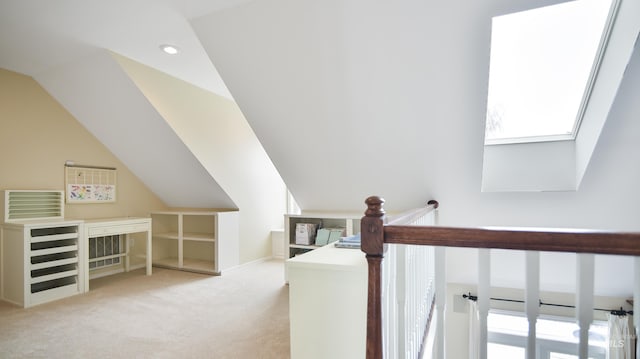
37 36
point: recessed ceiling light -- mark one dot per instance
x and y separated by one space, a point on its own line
169 49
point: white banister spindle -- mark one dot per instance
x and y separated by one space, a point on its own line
407 295
532 299
484 281
441 278
584 306
418 291
401 298
389 304
636 302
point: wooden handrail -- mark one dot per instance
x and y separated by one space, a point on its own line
553 240
375 234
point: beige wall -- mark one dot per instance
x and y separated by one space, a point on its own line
37 136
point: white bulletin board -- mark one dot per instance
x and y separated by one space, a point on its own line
90 184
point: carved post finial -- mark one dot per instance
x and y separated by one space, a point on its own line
372 227
374 206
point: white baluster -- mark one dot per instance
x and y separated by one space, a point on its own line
584 306
414 293
403 306
441 280
417 292
389 305
532 299
636 302
393 309
484 279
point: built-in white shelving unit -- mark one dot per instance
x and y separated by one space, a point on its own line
350 222
44 257
198 241
41 261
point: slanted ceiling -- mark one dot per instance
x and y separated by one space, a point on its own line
353 98
97 92
348 97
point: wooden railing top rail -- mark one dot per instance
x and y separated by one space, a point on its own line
574 241
533 239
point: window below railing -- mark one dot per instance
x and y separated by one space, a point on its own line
556 337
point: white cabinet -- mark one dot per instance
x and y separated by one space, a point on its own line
41 261
205 242
351 224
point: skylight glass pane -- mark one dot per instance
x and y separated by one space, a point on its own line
541 62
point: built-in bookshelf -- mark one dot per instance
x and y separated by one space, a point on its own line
198 241
350 223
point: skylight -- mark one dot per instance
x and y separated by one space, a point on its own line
543 63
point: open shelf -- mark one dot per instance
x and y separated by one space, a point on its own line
350 223
193 236
198 241
167 235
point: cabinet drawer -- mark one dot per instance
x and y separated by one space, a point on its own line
53 237
62 252
117 229
42 261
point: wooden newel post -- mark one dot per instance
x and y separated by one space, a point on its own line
372 236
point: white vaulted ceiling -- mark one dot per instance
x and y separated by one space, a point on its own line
36 36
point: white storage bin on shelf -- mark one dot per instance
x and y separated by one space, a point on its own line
41 261
205 242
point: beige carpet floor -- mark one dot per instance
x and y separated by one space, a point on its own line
171 314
